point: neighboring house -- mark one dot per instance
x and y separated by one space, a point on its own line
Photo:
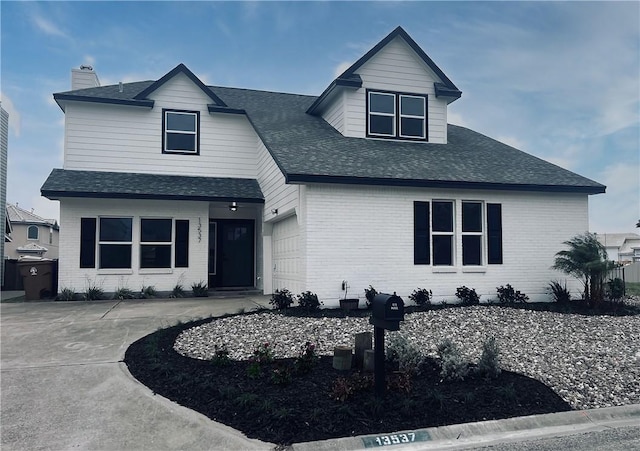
31 235
5 226
621 247
171 181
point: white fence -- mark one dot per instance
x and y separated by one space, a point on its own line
629 273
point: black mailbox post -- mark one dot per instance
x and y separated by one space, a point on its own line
387 312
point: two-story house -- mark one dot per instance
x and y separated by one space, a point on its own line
171 181
31 235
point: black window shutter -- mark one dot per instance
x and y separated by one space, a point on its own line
494 233
421 245
87 242
182 243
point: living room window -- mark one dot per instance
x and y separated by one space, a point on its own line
436 237
155 243
180 131
396 115
114 243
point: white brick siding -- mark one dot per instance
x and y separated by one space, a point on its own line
78 279
365 235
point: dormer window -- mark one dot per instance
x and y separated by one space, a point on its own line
396 115
180 131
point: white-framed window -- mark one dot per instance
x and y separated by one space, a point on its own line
443 232
114 242
180 131
396 115
33 232
472 233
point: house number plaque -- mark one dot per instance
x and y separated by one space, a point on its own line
395 439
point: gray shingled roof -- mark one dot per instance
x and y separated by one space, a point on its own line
124 185
307 149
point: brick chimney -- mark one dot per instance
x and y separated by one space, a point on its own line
84 77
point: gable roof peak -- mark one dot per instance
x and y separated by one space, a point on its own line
180 69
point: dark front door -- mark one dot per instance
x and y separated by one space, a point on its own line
234 253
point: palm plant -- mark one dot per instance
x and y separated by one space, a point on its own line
586 259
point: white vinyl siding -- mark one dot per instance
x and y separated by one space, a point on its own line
100 137
278 195
396 68
334 114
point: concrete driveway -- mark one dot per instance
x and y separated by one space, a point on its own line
63 385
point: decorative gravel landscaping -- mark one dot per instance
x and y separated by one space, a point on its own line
590 361
551 362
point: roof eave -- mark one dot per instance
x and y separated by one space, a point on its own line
353 81
223 109
76 98
57 195
349 180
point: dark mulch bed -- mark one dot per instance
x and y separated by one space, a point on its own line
303 409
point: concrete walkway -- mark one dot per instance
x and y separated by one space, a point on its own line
63 386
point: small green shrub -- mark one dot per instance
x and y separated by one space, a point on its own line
421 296
281 299
370 293
66 294
221 355
281 375
559 292
124 293
306 359
508 295
178 291
148 292
468 296
615 289
489 364
309 301
200 289
405 353
452 366
262 355
93 293
342 388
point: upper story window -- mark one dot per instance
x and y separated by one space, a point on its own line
32 233
396 115
180 131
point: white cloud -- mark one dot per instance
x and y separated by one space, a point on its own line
48 27
456 118
512 141
341 68
15 122
621 203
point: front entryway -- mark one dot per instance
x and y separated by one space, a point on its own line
231 253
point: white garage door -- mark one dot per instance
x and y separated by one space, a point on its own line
286 255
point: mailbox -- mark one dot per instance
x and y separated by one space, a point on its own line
388 311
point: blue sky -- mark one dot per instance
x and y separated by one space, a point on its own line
558 80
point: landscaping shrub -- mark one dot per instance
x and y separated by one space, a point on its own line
200 289
281 299
148 292
281 374
66 294
507 295
421 296
452 366
489 364
93 293
615 289
221 355
262 355
177 291
124 293
405 353
370 293
468 296
342 388
308 301
306 358
559 291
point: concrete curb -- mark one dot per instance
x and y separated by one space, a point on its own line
485 433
